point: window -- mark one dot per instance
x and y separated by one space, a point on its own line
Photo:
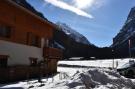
33 61
5 31
33 40
3 61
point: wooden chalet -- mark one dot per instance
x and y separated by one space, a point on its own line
25 46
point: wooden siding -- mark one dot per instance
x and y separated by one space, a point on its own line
22 22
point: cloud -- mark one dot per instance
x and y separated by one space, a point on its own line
65 6
83 4
91 4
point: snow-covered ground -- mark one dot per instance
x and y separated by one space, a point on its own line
98 63
80 78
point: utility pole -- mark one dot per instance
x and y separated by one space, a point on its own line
113 58
129 46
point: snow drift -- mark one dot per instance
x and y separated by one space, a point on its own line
96 78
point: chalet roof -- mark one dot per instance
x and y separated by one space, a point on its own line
31 13
28 6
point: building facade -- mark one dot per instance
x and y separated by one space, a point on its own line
24 43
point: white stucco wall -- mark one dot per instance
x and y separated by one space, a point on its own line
19 54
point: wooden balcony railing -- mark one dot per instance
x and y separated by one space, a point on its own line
50 52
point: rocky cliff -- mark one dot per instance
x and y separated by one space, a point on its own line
124 41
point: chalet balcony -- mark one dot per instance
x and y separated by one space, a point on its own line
50 52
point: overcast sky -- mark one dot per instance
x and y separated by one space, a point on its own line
98 20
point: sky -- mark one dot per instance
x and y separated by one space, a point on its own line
98 20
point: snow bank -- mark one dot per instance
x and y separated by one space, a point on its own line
96 78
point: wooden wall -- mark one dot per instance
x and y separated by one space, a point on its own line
22 22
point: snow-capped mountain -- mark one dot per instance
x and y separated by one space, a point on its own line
121 40
74 43
73 34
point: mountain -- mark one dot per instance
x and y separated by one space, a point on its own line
126 37
74 43
73 34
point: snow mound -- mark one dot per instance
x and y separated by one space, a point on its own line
96 78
